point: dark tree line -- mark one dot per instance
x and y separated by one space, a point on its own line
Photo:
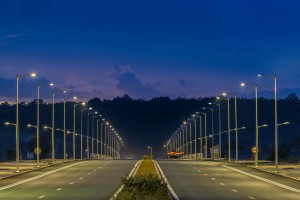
142 123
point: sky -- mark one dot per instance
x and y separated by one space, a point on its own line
149 48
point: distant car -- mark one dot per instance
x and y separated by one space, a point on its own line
174 154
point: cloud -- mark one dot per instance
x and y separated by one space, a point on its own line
15 35
182 82
128 82
27 88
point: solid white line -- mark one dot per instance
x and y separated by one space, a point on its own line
174 195
37 177
41 197
59 189
263 179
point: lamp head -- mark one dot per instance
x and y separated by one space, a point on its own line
51 84
6 123
243 84
224 94
33 74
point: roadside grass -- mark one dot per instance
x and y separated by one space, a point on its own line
145 185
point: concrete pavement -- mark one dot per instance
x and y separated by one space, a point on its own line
97 179
194 180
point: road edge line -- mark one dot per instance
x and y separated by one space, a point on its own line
132 173
263 179
173 194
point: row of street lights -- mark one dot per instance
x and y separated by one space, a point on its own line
176 137
112 144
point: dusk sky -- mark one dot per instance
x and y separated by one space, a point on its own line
149 48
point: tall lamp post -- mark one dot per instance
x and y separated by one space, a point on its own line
65 99
220 140
200 133
38 123
52 135
81 131
190 142
205 132
195 147
228 125
17 118
74 126
87 138
212 128
93 128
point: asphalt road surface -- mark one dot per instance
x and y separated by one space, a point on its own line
197 180
93 180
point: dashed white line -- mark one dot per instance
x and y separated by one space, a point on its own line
95 170
213 179
41 197
71 183
89 173
263 179
199 170
100 167
59 189
81 178
251 197
234 191
205 174
37 177
222 183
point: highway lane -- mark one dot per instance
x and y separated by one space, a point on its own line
86 180
197 180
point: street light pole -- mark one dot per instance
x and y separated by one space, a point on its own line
220 140
204 132
212 129
52 131
81 127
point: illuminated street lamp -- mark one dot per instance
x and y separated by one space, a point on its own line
220 142
74 126
88 126
205 151
38 122
212 127
81 132
256 121
93 127
17 118
65 99
228 125
200 129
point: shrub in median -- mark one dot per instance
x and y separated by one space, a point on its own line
144 187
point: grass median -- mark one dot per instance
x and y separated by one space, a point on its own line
145 185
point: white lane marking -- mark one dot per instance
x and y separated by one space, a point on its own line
59 189
100 167
41 197
199 170
89 173
213 179
222 183
71 183
205 174
234 190
39 176
95 170
263 179
81 178
251 197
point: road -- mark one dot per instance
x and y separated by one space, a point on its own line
82 180
197 180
